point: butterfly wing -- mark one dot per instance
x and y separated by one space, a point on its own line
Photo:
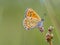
31 19
31 13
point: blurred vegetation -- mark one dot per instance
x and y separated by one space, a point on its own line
12 31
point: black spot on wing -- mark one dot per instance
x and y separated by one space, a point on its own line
31 13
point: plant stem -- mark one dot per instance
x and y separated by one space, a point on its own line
50 42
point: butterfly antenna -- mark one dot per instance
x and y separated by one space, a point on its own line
43 17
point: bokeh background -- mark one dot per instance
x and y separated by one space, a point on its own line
12 31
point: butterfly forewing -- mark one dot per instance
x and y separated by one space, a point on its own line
31 13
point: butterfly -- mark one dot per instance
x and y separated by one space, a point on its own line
32 20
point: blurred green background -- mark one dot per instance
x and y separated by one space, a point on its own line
12 31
